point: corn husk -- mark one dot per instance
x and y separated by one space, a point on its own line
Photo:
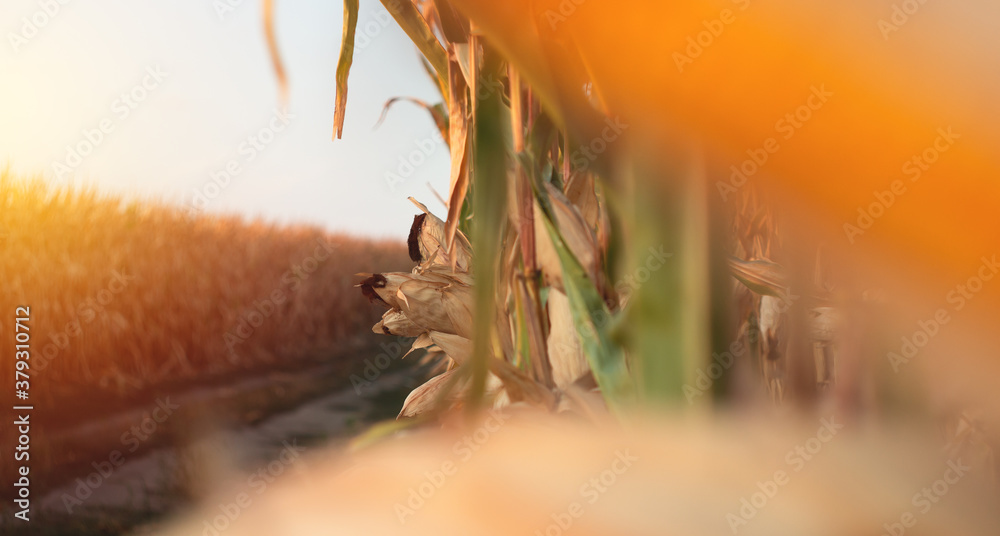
437 306
428 243
565 351
394 322
575 231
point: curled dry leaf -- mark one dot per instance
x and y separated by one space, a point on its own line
436 111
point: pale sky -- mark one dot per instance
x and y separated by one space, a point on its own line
213 89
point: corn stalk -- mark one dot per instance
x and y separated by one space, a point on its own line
542 311
527 309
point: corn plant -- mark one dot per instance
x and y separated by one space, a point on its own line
538 283
513 288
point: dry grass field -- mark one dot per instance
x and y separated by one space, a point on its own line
128 295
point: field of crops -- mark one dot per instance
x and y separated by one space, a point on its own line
746 247
127 295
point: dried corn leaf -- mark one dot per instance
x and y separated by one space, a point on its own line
344 65
436 110
445 391
425 397
272 47
458 134
454 346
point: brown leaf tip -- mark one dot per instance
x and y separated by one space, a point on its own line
413 241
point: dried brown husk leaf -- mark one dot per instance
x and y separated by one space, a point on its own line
394 322
437 306
458 132
456 347
423 398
